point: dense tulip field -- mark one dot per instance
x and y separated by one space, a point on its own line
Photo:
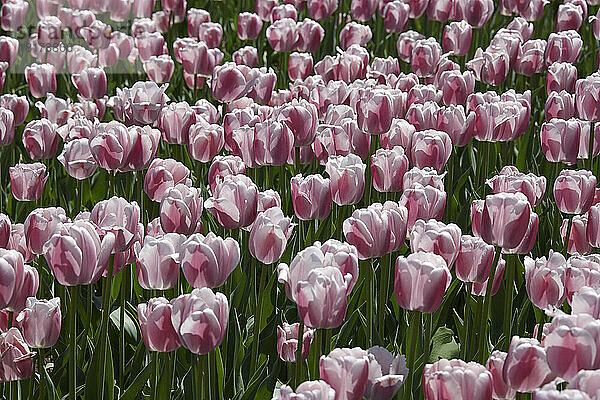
300 199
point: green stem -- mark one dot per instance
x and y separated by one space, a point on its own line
155 370
369 283
413 338
328 333
465 348
257 316
124 292
483 322
383 293
298 374
566 243
317 347
199 376
508 298
73 343
42 391
591 148
428 331
105 316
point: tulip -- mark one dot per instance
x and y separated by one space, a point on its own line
464 380
300 65
501 120
374 112
13 269
563 47
88 254
574 191
504 219
55 109
386 373
40 322
311 197
164 174
200 319
40 139
175 121
180 210
347 371
456 86
530 58
425 57
234 201
230 82
347 175
271 145
141 104
222 166
41 79
578 242
49 31
91 83
422 202
157 262
457 38
17 359
430 148
18 105
12 15
421 281
422 93
159 68
477 13
490 66
569 17
18 242
5 228
264 7
310 35
395 16
545 280
510 180
377 230
287 341
41 224
581 271
388 168
561 76
319 390
269 235
205 141
210 33
560 105
474 259
302 119
354 33
495 365
586 99
121 218
586 381
321 9
525 367
437 238
586 301
27 181
282 35
157 329
283 11
246 55
195 17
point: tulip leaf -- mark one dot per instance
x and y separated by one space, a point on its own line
99 381
129 325
50 389
443 345
134 389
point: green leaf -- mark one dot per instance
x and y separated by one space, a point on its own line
137 385
443 345
129 325
220 372
99 380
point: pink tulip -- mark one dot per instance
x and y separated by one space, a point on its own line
264 7
437 238
347 174
354 33
332 253
159 68
457 38
264 86
55 109
311 197
269 235
578 242
287 341
586 382
586 301
195 17
175 121
41 224
310 35
5 228
156 326
545 280
423 116
586 98
386 373
563 47
561 76
569 17
205 141
423 93
490 66
464 380
12 14
477 12
283 35
456 86
318 390
530 59
17 279
230 82
181 209
321 9
560 105
377 230
422 202
302 119
347 371
421 281
18 105
200 319
91 83
88 254
395 16
510 180
249 26
363 10
425 57
222 166
164 174
81 18
526 367
157 262
40 139
120 217
49 31
247 55
300 65
501 120
430 148
17 359
495 365
141 104
574 191
40 322
474 259
505 219
388 168
210 33
374 112
234 201
27 181
41 79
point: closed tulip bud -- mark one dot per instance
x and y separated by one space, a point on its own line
425 177
430 148
13 269
157 260
222 166
578 242
510 180
377 230
29 288
120 217
318 390
230 82
18 242
157 329
388 168
586 301
49 31
512 211
495 365
395 16
91 83
175 121
181 209
422 202
269 235
88 255
164 174
159 68
574 191
234 201
40 139
283 35
568 17
41 79
456 86
437 238
561 76
17 359
205 141
347 175
421 94
453 121
247 55
374 112
287 341
41 224
586 98
27 181
354 33
477 13
457 38
195 17
421 281
300 66
210 33
9 47
525 367
302 119
425 57
311 197
5 228
530 59
321 9
40 322
347 371
200 319
545 280
310 35
474 259
563 47
465 380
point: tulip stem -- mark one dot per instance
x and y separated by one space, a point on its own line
257 316
318 350
41 368
154 375
124 292
428 325
73 343
467 322
568 234
413 335
298 372
102 339
483 322
369 283
508 298
591 148
199 377
383 293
